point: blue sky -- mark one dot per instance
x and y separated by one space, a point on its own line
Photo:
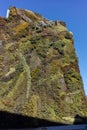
73 12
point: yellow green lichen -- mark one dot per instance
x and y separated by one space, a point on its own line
39 73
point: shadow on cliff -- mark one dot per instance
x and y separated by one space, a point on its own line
9 120
80 120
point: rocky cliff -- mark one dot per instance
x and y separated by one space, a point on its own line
39 73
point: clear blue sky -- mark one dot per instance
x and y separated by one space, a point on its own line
73 12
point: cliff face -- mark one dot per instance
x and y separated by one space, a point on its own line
39 73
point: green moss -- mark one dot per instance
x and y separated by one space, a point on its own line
19 68
8 46
42 47
31 108
72 78
59 46
51 112
39 75
14 92
35 73
5 87
27 71
54 66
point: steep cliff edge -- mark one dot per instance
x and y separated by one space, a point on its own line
39 73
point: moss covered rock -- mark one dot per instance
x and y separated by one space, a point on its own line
39 73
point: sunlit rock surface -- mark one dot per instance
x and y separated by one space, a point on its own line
39 73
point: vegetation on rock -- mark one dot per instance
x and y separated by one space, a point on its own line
39 73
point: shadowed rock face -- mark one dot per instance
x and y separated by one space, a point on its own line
39 73
11 120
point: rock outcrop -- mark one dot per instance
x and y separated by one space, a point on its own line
39 73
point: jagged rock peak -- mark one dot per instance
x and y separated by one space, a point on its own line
13 11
